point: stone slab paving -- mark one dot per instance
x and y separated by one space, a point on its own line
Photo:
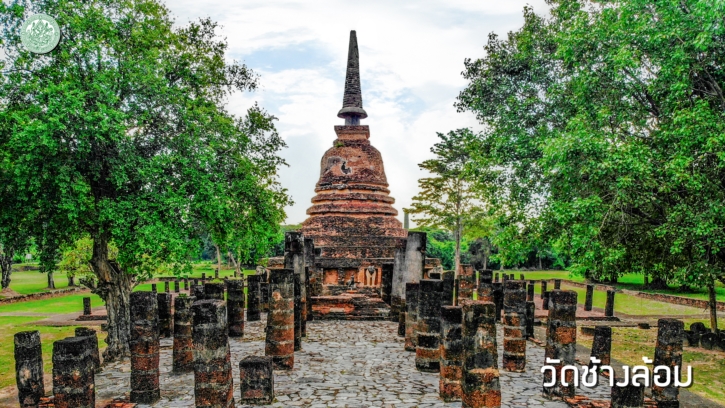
342 364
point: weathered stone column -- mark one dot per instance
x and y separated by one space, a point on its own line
186 284
183 356
514 340
264 300
294 258
545 300
216 273
561 342
449 286
480 381
630 396
197 291
397 295
95 354
466 282
589 298
253 298
544 284
73 376
166 287
144 347
153 288
213 291
668 352
256 380
601 345
176 286
428 350
29 368
498 298
451 353
530 318
530 291
235 307
165 316
203 277
609 306
495 279
86 306
485 285
401 324
213 382
297 311
411 315
386 282
557 284
280 320
313 279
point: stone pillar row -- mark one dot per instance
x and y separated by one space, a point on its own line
427 351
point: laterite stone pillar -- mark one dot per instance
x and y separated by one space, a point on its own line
485 285
480 384
498 298
95 353
514 340
451 353
264 300
73 377
401 324
466 282
386 282
411 315
530 318
427 352
530 291
166 287
256 380
214 291
144 347
235 307
165 316
449 285
280 320
544 284
177 289
213 383
557 284
294 258
183 356
297 311
86 306
313 278
397 295
668 352
197 291
609 306
153 288
253 298
561 342
589 298
186 284
29 368
602 345
545 300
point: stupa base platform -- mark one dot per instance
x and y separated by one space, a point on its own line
349 306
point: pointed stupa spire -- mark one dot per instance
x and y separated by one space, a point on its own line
352 109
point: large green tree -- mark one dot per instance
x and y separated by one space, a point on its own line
605 126
447 199
121 133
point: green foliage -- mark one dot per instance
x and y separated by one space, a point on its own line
604 141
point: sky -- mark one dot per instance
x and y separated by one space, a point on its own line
411 59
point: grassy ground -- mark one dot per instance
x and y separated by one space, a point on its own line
629 345
27 282
630 281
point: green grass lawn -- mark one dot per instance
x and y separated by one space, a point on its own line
27 282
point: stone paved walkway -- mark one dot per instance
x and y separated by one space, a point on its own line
342 364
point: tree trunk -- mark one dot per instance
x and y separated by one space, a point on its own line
218 258
541 268
114 287
51 281
458 246
713 307
485 261
6 264
658 283
71 280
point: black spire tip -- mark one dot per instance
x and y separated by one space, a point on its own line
352 108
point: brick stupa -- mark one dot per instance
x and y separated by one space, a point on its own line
352 219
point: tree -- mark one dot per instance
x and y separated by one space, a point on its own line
120 133
610 115
447 199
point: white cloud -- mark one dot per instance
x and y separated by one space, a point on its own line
411 57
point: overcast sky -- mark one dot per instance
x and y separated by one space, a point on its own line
411 58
